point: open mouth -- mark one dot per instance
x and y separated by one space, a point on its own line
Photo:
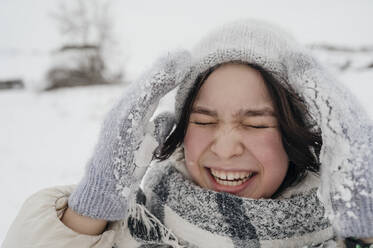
230 178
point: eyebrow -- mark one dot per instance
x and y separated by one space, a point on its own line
265 111
204 111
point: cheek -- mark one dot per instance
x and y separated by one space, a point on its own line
195 143
269 150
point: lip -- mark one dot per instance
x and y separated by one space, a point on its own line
226 188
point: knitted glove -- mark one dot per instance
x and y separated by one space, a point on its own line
346 155
127 141
351 194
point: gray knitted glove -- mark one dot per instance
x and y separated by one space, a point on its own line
127 141
352 189
346 155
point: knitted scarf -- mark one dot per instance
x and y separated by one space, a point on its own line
181 214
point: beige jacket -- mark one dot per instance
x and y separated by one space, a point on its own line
48 205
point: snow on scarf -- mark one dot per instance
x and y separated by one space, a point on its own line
181 214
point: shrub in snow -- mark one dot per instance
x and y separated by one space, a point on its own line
77 65
11 84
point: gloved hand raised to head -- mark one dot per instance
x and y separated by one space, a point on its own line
127 142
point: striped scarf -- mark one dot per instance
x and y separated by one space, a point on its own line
173 210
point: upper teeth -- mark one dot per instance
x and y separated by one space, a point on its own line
230 175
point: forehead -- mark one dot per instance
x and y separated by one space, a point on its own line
234 86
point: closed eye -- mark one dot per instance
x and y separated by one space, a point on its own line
258 126
203 123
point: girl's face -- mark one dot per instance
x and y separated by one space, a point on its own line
233 142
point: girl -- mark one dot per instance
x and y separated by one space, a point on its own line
255 118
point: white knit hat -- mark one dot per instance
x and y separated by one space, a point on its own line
248 41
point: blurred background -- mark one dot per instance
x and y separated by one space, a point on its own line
63 64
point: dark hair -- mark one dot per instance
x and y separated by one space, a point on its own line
301 141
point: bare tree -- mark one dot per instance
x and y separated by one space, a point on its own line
87 30
85 21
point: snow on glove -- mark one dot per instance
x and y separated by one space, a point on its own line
350 185
127 141
346 155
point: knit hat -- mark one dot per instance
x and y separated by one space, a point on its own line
346 154
251 41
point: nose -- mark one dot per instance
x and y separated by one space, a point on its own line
227 143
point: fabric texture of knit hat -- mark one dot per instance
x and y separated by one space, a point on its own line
248 41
